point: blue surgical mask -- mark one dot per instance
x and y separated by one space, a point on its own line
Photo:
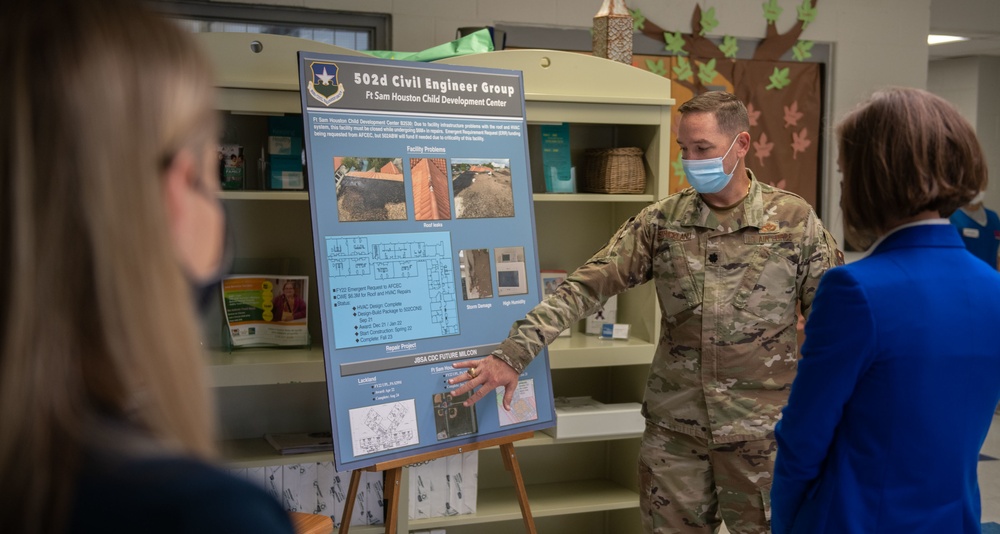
708 175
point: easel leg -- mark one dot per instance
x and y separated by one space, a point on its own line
510 463
391 489
352 493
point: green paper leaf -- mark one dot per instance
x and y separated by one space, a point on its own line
706 72
683 70
801 51
656 67
678 168
807 13
779 79
729 46
708 21
639 20
675 43
772 11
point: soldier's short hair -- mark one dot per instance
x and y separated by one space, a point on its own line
729 111
902 152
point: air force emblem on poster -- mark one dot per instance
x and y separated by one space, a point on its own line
324 85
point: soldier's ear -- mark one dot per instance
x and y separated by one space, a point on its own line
743 144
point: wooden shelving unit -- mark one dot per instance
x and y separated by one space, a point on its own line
574 485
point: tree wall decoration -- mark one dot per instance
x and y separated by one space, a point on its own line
784 98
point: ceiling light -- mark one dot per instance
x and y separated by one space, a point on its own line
939 39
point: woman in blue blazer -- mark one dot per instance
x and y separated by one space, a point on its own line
900 370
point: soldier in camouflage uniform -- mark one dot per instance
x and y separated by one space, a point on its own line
732 260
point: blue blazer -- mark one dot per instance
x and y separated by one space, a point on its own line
895 391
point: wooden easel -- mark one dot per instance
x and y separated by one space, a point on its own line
394 471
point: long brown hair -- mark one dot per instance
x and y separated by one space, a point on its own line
903 152
98 321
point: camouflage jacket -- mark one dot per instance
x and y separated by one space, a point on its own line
727 285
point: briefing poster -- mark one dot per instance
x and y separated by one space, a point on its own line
423 228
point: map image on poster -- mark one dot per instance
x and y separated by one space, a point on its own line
388 288
424 237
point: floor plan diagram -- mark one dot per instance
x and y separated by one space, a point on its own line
383 427
391 287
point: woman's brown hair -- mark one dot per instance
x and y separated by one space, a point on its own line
903 152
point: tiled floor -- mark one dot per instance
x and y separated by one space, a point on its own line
989 474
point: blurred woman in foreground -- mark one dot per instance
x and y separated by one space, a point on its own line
110 223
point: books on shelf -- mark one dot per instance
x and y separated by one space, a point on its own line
301 442
232 168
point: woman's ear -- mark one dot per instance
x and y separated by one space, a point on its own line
177 179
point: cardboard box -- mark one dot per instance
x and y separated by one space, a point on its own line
605 315
585 417
286 173
285 125
284 145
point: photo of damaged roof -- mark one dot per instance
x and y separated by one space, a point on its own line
482 188
369 189
429 178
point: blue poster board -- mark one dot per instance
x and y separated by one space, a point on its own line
423 228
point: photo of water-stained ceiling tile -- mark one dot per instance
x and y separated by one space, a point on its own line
429 179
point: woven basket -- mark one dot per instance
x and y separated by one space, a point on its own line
614 170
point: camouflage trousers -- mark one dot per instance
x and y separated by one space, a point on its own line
688 485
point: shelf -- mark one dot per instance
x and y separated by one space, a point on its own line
257 452
559 87
568 77
537 197
264 195
591 197
266 366
574 497
581 350
539 112
541 439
